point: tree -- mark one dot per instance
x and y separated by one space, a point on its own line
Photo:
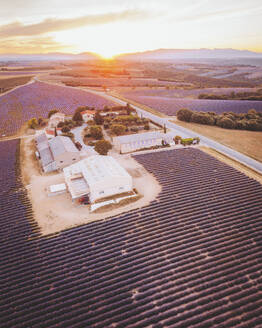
96 132
40 120
60 124
146 127
226 123
118 129
32 123
102 147
81 109
184 114
164 128
52 112
77 117
128 109
65 129
202 118
98 118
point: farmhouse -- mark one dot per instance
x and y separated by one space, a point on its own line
56 153
87 115
55 119
97 177
133 142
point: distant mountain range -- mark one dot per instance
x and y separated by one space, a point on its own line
176 54
152 55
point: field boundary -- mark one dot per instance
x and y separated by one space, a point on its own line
132 102
243 168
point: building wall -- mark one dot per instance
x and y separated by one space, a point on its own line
109 189
133 146
50 167
67 159
87 117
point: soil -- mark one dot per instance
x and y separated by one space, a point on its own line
246 142
57 213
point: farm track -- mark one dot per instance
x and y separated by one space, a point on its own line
192 258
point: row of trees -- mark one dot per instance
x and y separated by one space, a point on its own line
228 120
251 95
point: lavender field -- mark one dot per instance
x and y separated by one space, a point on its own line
37 99
170 105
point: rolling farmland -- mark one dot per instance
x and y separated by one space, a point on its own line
192 258
37 99
170 105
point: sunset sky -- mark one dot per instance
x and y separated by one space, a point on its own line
110 27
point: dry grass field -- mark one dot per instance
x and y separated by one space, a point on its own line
8 83
246 142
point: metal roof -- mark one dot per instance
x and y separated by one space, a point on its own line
138 137
41 138
46 156
60 145
97 169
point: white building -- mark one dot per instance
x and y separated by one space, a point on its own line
88 115
133 142
55 119
56 153
97 177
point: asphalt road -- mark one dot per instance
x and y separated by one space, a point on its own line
253 164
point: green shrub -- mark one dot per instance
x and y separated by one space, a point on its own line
96 132
102 147
77 117
98 119
241 124
184 114
65 129
254 125
226 123
134 129
118 129
32 123
202 118
60 124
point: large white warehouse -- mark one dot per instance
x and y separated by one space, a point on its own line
97 177
133 142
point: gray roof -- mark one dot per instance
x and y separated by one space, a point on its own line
46 156
60 145
138 137
41 138
142 137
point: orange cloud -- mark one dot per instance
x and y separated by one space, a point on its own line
32 46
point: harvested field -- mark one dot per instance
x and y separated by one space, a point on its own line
246 142
189 259
8 83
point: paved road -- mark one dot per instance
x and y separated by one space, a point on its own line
78 137
255 165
